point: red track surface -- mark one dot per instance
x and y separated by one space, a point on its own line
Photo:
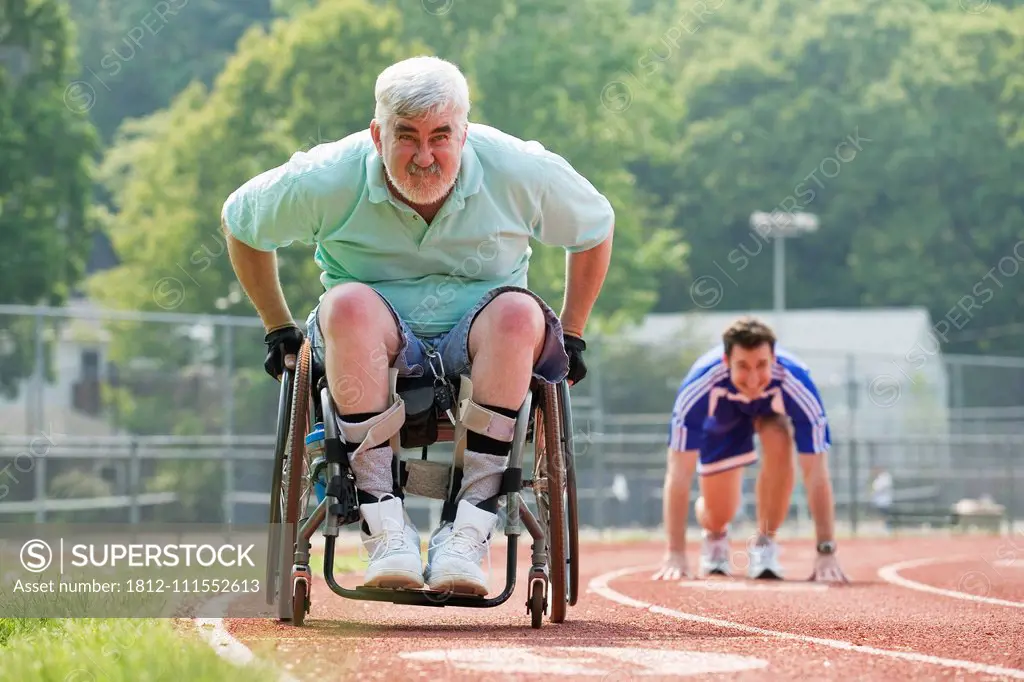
869 630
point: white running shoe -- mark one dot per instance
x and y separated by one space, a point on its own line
764 562
393 545
457 549
714 556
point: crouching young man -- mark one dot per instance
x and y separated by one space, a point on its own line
745 386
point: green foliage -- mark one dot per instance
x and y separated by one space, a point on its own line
137 55
639 378
199 487
919 204
77 482
45 168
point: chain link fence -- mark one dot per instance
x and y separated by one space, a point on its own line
167 417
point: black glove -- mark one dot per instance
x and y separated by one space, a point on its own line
574 347
281 342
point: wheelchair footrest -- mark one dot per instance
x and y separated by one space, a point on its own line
422 597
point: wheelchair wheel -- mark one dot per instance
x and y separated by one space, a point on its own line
289 473
571 507
550 493
573 532
284 409
536 605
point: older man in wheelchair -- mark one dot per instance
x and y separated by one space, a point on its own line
422 227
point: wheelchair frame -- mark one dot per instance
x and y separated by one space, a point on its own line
544 419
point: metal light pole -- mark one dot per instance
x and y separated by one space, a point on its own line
781 225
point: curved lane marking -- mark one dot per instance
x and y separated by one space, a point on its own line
599 585
974 582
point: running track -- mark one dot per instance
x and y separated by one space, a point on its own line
918 608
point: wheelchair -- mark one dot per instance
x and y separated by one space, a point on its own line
544 421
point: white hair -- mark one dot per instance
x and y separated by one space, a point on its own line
421 85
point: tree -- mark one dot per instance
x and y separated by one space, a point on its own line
899 125
45 173
137 55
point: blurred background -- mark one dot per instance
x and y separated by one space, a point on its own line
851 172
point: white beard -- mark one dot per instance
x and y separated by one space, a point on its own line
429 192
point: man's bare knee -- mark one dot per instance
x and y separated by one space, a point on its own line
354 315
722 495
514 318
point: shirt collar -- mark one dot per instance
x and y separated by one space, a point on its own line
468 182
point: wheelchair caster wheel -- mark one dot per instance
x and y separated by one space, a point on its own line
300 594
537 604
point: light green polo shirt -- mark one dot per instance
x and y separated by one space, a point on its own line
507 192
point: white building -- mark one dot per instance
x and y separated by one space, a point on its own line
880 370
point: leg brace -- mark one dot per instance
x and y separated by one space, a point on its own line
374 470
473 417
383 427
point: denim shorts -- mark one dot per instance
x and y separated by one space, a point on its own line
453 346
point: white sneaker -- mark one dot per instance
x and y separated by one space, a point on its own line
456 551
393 545
714 556
764 562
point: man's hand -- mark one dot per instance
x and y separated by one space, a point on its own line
574 347
282 346
674 568
827 570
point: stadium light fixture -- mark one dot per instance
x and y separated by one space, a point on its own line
780 226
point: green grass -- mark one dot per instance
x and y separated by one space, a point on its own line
122 649
11 628
112 650
118 649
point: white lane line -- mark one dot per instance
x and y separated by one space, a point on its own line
608 663
599 585
972 581
223 642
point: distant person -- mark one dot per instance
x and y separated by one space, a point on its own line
745 386
882 493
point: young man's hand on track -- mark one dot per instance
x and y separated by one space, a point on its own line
674 567
827 570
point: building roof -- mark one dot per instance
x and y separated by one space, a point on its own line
863 331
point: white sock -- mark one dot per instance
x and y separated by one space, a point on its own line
372 469
481 476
